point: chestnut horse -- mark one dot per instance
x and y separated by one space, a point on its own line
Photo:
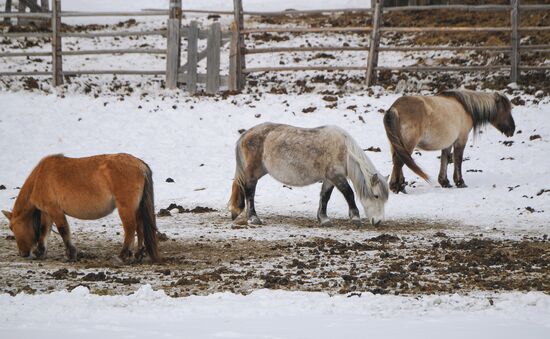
85 188
441 122
303 156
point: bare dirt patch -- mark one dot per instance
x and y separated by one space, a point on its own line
399 258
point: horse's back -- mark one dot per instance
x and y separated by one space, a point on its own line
86 188
432 122
299 156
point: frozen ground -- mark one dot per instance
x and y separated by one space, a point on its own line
458 257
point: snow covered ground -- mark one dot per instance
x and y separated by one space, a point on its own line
191 140
273 314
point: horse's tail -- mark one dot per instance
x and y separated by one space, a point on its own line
359 168
146 214
393 131
236 202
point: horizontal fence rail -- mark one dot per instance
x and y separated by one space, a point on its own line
376 28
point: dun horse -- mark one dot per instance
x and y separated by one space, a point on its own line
441 122
85 188
303 156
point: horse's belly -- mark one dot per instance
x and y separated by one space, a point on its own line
437 141
89 211
292 176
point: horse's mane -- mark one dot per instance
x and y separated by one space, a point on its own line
481 106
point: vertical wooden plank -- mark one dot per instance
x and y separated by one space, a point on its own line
374 43
44 4
239 53
173 44
7 21
192 56
233 59
21 9
514 56
57 61
213 58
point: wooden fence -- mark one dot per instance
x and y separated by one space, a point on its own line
174 72
238 69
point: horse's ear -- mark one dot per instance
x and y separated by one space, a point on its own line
374 179
7 214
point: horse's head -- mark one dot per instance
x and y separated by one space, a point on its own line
503 120
374 204
24 232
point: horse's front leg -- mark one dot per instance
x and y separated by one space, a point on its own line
458 153
250 192
45 229
64 231
343 186
442 178
326 191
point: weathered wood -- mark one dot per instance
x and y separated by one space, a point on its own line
233 59
304 49
213 58
192 56
116 51
239 52
31 4
303 68
514 57
24 54
35 73
45 5
116 72
161 32
308 12
467 8
203 34
443 29
135 13
374 43
25 35
7 9
57 60
445 68
173 44
25 15
444 48
540 7
305 30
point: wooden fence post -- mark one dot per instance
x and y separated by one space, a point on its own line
514 56
372 62
173 44
7 20
213 46
44 4
236 56
57 61
192 56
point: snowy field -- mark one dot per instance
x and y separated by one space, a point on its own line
191 140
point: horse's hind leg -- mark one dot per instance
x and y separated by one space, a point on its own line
140 251
442 178
45 228
342 185
458 153
129 222
326 191
250 192
397 182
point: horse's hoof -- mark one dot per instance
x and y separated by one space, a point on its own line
445 184
39 253
254 221
138 257
356 222
71 253
461 185
325 222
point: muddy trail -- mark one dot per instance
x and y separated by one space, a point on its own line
410 258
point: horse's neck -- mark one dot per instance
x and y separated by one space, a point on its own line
23 203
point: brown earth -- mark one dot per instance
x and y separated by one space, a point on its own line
415 257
